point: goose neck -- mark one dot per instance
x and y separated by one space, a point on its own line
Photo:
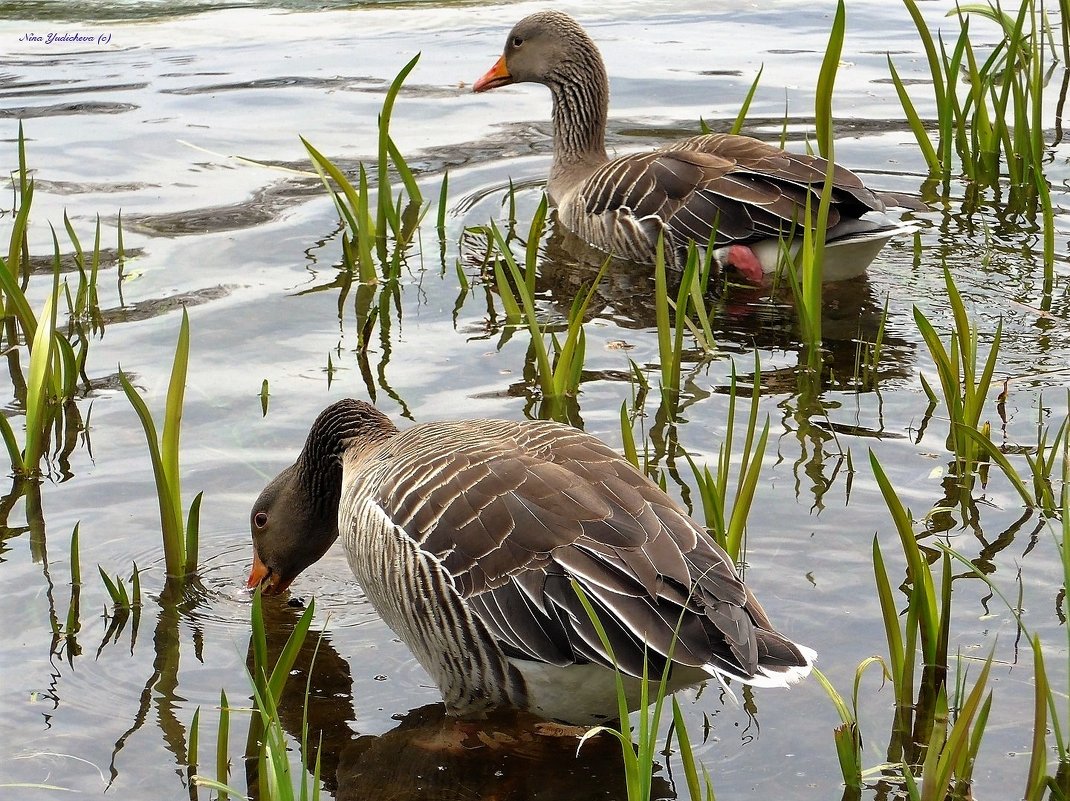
581 102
353 426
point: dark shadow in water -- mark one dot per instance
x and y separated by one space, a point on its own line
430 756
743 319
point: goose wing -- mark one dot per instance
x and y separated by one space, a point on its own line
520 510
734 188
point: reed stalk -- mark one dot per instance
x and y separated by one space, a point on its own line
180 533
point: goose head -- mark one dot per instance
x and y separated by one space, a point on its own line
548 48
290 530
295 519
552 49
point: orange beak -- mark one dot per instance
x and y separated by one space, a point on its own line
259 572
262 576
496 76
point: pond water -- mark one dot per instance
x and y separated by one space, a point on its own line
186 118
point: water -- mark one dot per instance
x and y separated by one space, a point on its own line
187 120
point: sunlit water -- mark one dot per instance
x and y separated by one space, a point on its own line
187 120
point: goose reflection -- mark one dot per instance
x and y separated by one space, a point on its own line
743 318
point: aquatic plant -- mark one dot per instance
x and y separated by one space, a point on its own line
391 216
1038 489
266 735
558 367
964 380
805 275
121 599
180 532
728 529
997 129
54 364
848 735
640 748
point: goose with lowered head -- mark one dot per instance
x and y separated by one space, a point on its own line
467 537
741 193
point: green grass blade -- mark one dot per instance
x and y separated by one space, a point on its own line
9 269
890 616
1038 763
386 202
327 169
193 532
443 195
170 525
917 127
626 435
687 754
404 171
826 80
13 451
109 585
745 495
222 746
38 377
936 782
259 641
741 117
930 52
286 660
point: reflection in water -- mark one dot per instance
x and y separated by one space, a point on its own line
430 756
178 601
744 319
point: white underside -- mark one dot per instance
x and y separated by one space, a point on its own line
587 694
846 256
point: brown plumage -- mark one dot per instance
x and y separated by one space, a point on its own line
466 537
731 191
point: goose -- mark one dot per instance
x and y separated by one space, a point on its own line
742 194
467 536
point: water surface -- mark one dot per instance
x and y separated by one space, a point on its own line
186 118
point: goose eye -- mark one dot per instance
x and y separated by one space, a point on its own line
517 41
260 519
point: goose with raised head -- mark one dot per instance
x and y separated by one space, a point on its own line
740 193
467 537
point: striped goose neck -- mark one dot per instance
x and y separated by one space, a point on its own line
343 425
580 92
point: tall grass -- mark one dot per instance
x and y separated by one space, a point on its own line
805 276
366 237
996 129
54 365
640 749
180 531
673 320
557 364
726 514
